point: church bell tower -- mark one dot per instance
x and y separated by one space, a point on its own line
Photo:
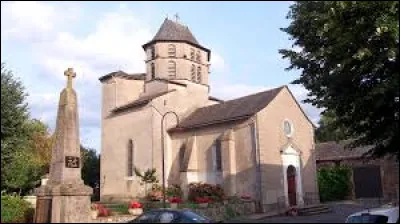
175 54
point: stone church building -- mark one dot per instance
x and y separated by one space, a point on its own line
261 144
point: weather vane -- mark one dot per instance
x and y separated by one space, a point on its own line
176 17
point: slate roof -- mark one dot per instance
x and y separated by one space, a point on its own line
329 151
122 74
141 101
231 110
172 31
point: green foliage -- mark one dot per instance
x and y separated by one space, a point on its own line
334 182
91 170
328 129
148 177
14 209
14 114
174 191
348 57
201 190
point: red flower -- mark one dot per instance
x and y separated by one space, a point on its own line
201 200
175 200
135 205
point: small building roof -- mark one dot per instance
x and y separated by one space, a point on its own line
122 74
333 151
141 101
231 110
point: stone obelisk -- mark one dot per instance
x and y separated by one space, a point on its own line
65 198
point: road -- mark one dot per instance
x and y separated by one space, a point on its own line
339 213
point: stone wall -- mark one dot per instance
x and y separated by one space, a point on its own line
217 212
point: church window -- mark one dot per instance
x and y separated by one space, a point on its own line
199 74
198 57
192 54
287 128
130 158
171 51
217 154
153 71
193 73
153 52
171 69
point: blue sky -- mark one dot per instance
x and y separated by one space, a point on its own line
39 40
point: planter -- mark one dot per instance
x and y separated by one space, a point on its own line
203 205
94 214
135 211
173 205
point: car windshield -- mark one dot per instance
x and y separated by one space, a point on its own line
195 217
367 218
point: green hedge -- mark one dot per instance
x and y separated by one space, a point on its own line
334 183
14 209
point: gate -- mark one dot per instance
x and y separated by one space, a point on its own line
367 182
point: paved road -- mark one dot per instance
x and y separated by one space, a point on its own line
338 215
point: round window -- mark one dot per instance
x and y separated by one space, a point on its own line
287 128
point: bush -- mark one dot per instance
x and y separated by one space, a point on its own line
174 191
201 190
14 209
334 183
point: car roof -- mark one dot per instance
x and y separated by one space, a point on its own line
379 211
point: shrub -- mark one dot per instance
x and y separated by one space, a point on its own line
334 182
103 211
174 191
14 209
201 190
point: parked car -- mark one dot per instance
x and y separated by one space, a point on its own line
171 216
375 215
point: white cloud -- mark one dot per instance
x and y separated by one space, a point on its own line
114 44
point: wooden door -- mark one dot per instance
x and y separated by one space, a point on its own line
291 181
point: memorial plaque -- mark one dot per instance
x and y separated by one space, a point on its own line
72 162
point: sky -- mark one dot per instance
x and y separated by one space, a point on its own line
40 40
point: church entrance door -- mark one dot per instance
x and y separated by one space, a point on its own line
291 180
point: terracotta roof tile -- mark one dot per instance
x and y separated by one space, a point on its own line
231 110
337 151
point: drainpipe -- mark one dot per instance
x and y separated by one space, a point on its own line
257 158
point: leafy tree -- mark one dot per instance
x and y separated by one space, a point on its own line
148 177
327 130
334 183
348 59
91 170
14 114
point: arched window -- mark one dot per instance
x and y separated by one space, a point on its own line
192 54
193 73
198 57
199 74
171 69
171 51
153 71
153 52
130 156
217 161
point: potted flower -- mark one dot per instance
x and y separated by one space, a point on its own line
135 208
174 201
203 201
245 197
292 211
94 212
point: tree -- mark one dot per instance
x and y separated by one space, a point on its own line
148 177
91 170
327 131
348 59
14 114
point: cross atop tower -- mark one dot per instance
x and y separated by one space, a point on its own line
176 17
70 74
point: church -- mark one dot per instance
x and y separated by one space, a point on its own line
260 145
